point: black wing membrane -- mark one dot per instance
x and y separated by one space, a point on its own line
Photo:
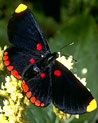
38 88
24 31
69 94
29 42
17 59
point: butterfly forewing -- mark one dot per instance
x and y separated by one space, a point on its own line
23 31
69 94
17 60
28 40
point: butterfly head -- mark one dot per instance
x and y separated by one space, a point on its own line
55 54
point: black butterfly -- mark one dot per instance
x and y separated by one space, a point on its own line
44 79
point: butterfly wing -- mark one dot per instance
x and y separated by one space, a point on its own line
38 88
29 42
24 31
21 63
17 60
69 94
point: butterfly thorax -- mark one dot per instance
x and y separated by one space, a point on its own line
39 67
50 57
45 61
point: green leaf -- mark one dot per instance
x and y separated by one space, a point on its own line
40 115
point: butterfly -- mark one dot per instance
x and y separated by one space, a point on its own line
44 79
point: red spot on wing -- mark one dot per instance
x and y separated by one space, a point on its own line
10 68
16 74
5 58
29 94
42 104
37 103
32 60
24 86
6 63
42 75
33 99
5 53
57 73
23 83
38 46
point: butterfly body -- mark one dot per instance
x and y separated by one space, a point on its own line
44 79
45 61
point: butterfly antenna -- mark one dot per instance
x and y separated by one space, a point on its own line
69 44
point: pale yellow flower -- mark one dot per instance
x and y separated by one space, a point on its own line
14 102
3 118
1 55
66 62
83 80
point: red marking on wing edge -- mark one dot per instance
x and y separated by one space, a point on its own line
5 58
16 74
10 68
6 63
29 94
32 99
37 103
42 104
5 53
24 86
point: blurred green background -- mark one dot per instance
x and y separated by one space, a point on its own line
63 21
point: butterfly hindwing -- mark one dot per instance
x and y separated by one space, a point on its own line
17 59
69 94
38 87
24 31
